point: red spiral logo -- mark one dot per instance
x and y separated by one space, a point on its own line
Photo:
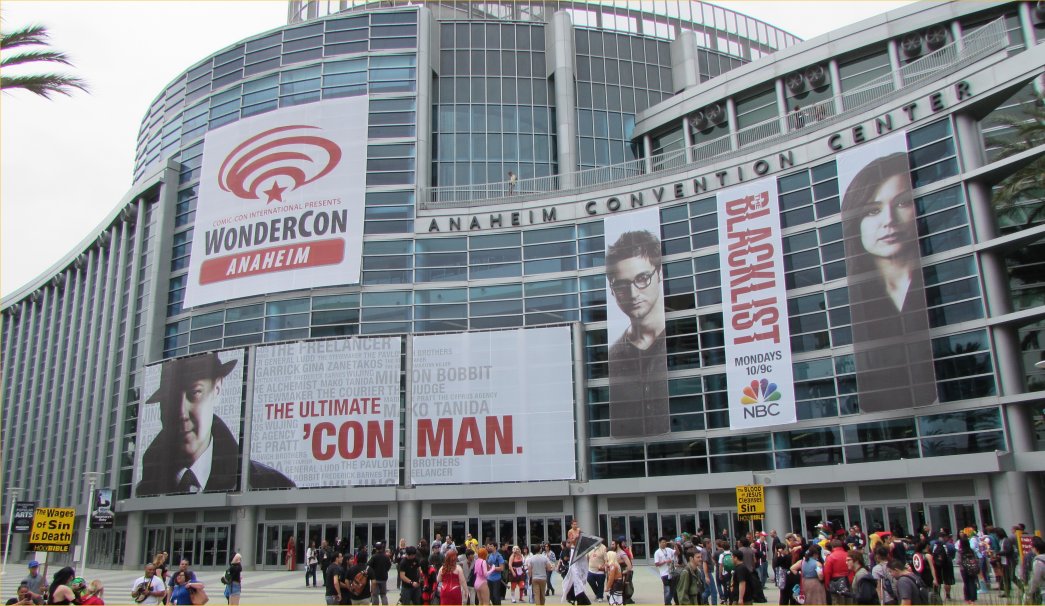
285 157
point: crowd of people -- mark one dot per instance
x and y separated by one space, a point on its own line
838 566
64 588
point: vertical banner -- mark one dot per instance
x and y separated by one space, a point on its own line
638 359
760 380
493 407
189 425
280 202
101 509
23 517
326 413
890 324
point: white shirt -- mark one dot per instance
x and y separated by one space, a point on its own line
157 585
662 558
201 468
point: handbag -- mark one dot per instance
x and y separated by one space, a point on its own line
840 586
198 596
798 596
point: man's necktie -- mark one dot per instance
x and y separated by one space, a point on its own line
188 482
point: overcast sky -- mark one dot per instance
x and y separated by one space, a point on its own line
65 164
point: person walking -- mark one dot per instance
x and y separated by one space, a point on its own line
312 563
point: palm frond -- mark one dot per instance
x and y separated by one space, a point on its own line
27 36
36 55
43 84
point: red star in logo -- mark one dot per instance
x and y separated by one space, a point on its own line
275 193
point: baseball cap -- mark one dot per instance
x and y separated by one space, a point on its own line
34 564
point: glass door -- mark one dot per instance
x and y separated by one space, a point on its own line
455 529
155 542
215 546
274 543
183 545
633 527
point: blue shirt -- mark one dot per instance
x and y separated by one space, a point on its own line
494 561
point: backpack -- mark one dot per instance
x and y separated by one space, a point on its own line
970 565
727 562
866 590
357 583
921 594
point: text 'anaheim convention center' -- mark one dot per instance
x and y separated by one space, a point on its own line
398 269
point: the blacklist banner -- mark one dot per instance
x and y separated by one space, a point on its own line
891 343
189 425
102 515
760 380
280 202
23 516
493 407
326 413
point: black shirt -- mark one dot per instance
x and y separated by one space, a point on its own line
381 565
743 574
332 571
409 567
234 573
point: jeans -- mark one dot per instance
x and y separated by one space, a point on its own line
669 589
410 594
711 592
310 572
496 591
597 580
379 591
763 570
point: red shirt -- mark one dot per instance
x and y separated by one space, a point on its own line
835 566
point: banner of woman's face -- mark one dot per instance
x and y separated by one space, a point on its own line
890 325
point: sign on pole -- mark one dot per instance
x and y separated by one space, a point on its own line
102 515
52 529
23 517
751 502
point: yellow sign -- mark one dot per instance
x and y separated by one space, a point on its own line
52 529
747 517
751 500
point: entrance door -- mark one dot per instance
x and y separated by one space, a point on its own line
545 530
632 526
812 516
272 548
674 524
498 530
215 546
155 542
183 545
953 516
328 531
455 529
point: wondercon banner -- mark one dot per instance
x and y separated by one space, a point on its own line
326 413
189 422
493 407
638 356
759 378
890 324
280 203
102 515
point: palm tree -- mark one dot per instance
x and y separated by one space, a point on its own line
1020 197
42 84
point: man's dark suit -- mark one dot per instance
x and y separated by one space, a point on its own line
159 474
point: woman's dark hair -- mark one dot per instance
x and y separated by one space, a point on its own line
1038 544
181 573
62 577
860 193
881 553
813 551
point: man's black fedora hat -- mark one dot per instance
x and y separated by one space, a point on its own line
183 371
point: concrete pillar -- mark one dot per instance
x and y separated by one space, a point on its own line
133 549
1010 498
585 514
427 64
580 404
559 50
894 64
246 540
408 521
777 510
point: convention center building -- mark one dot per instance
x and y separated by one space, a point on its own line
399 268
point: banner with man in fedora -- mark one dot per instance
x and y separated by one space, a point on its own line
190 422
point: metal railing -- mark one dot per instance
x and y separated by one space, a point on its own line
974 46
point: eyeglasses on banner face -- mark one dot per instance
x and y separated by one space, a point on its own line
641 282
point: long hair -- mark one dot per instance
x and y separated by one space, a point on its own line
62 577
449 563
857 197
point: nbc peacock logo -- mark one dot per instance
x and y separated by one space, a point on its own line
760 399
276 160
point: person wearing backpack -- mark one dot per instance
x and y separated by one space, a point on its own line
908 586
969 565
692 582
865 588
726 565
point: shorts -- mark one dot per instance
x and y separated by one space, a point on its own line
232 589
